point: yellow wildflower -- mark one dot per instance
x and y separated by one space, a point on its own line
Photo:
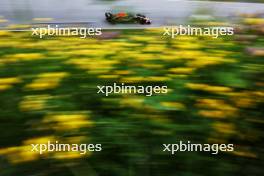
34 102
181 70
174 105
68 121
208 88
46 81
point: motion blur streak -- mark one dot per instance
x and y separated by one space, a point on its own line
48 92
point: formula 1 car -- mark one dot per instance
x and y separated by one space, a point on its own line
126 18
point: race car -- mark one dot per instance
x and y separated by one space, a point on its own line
126 18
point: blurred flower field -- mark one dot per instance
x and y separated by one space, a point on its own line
48 91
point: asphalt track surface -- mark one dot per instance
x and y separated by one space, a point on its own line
91 12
